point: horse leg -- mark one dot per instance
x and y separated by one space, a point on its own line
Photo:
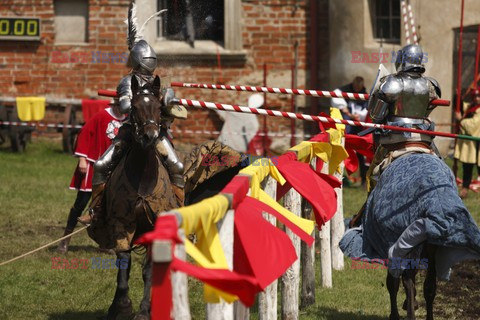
392 285
408 279
144 313
415 302
121 304
430 284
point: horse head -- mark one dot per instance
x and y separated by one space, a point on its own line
146 112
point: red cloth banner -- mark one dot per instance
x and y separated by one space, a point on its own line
315 187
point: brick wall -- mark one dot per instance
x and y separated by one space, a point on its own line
269 31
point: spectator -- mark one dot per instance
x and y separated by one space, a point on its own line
94 138
354 110
467 151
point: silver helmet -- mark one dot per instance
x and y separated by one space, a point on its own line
410 58
142 56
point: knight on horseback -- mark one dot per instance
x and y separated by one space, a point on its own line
403 99
143 61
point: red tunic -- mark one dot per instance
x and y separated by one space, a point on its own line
94 138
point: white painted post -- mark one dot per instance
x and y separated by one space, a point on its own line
338 226
268 300
241 311
181 309
223 310
325 249
308 258
291 279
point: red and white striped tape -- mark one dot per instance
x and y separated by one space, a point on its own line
307 117
176 130
412 24
39 124
302 92
405 21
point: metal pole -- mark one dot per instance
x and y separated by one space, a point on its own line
459 65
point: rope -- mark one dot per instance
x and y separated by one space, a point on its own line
42 247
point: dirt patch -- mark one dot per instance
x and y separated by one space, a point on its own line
459 298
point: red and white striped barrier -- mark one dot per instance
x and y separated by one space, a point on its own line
301 92
300 116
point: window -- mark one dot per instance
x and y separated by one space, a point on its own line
71 21
216 26
190 20
386 20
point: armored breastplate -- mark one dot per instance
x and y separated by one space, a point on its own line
413 100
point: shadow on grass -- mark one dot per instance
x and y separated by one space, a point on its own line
79 315
82 248
333 314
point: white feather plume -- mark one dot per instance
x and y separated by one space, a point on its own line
150 18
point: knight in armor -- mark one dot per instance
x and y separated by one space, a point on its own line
143 61
403 99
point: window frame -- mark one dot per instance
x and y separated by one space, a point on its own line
75 42
390 17
205 50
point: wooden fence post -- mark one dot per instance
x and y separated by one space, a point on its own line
308 258
337 224
268 300
223 310
325 248
291 279
181 308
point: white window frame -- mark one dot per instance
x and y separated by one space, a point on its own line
209 49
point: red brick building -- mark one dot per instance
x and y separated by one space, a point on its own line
82 47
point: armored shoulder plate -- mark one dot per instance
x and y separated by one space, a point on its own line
435 84
391 88
124 86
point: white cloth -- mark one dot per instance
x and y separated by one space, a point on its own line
355 108
240 128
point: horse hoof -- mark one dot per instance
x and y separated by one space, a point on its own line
120 308
394 317
141 317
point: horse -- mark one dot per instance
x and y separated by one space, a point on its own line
414 213
139 188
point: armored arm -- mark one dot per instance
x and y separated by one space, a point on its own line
381 100
170 109
124 93
434 92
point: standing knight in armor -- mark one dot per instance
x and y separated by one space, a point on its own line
143 61
403 99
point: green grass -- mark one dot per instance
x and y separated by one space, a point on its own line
34 204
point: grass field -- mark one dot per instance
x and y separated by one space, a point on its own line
34 203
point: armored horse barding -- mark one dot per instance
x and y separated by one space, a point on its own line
140 188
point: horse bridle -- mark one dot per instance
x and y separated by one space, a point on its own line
143 92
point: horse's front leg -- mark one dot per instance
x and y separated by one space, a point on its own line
392 285
405 303
408 279
144 313
430 284
121 304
